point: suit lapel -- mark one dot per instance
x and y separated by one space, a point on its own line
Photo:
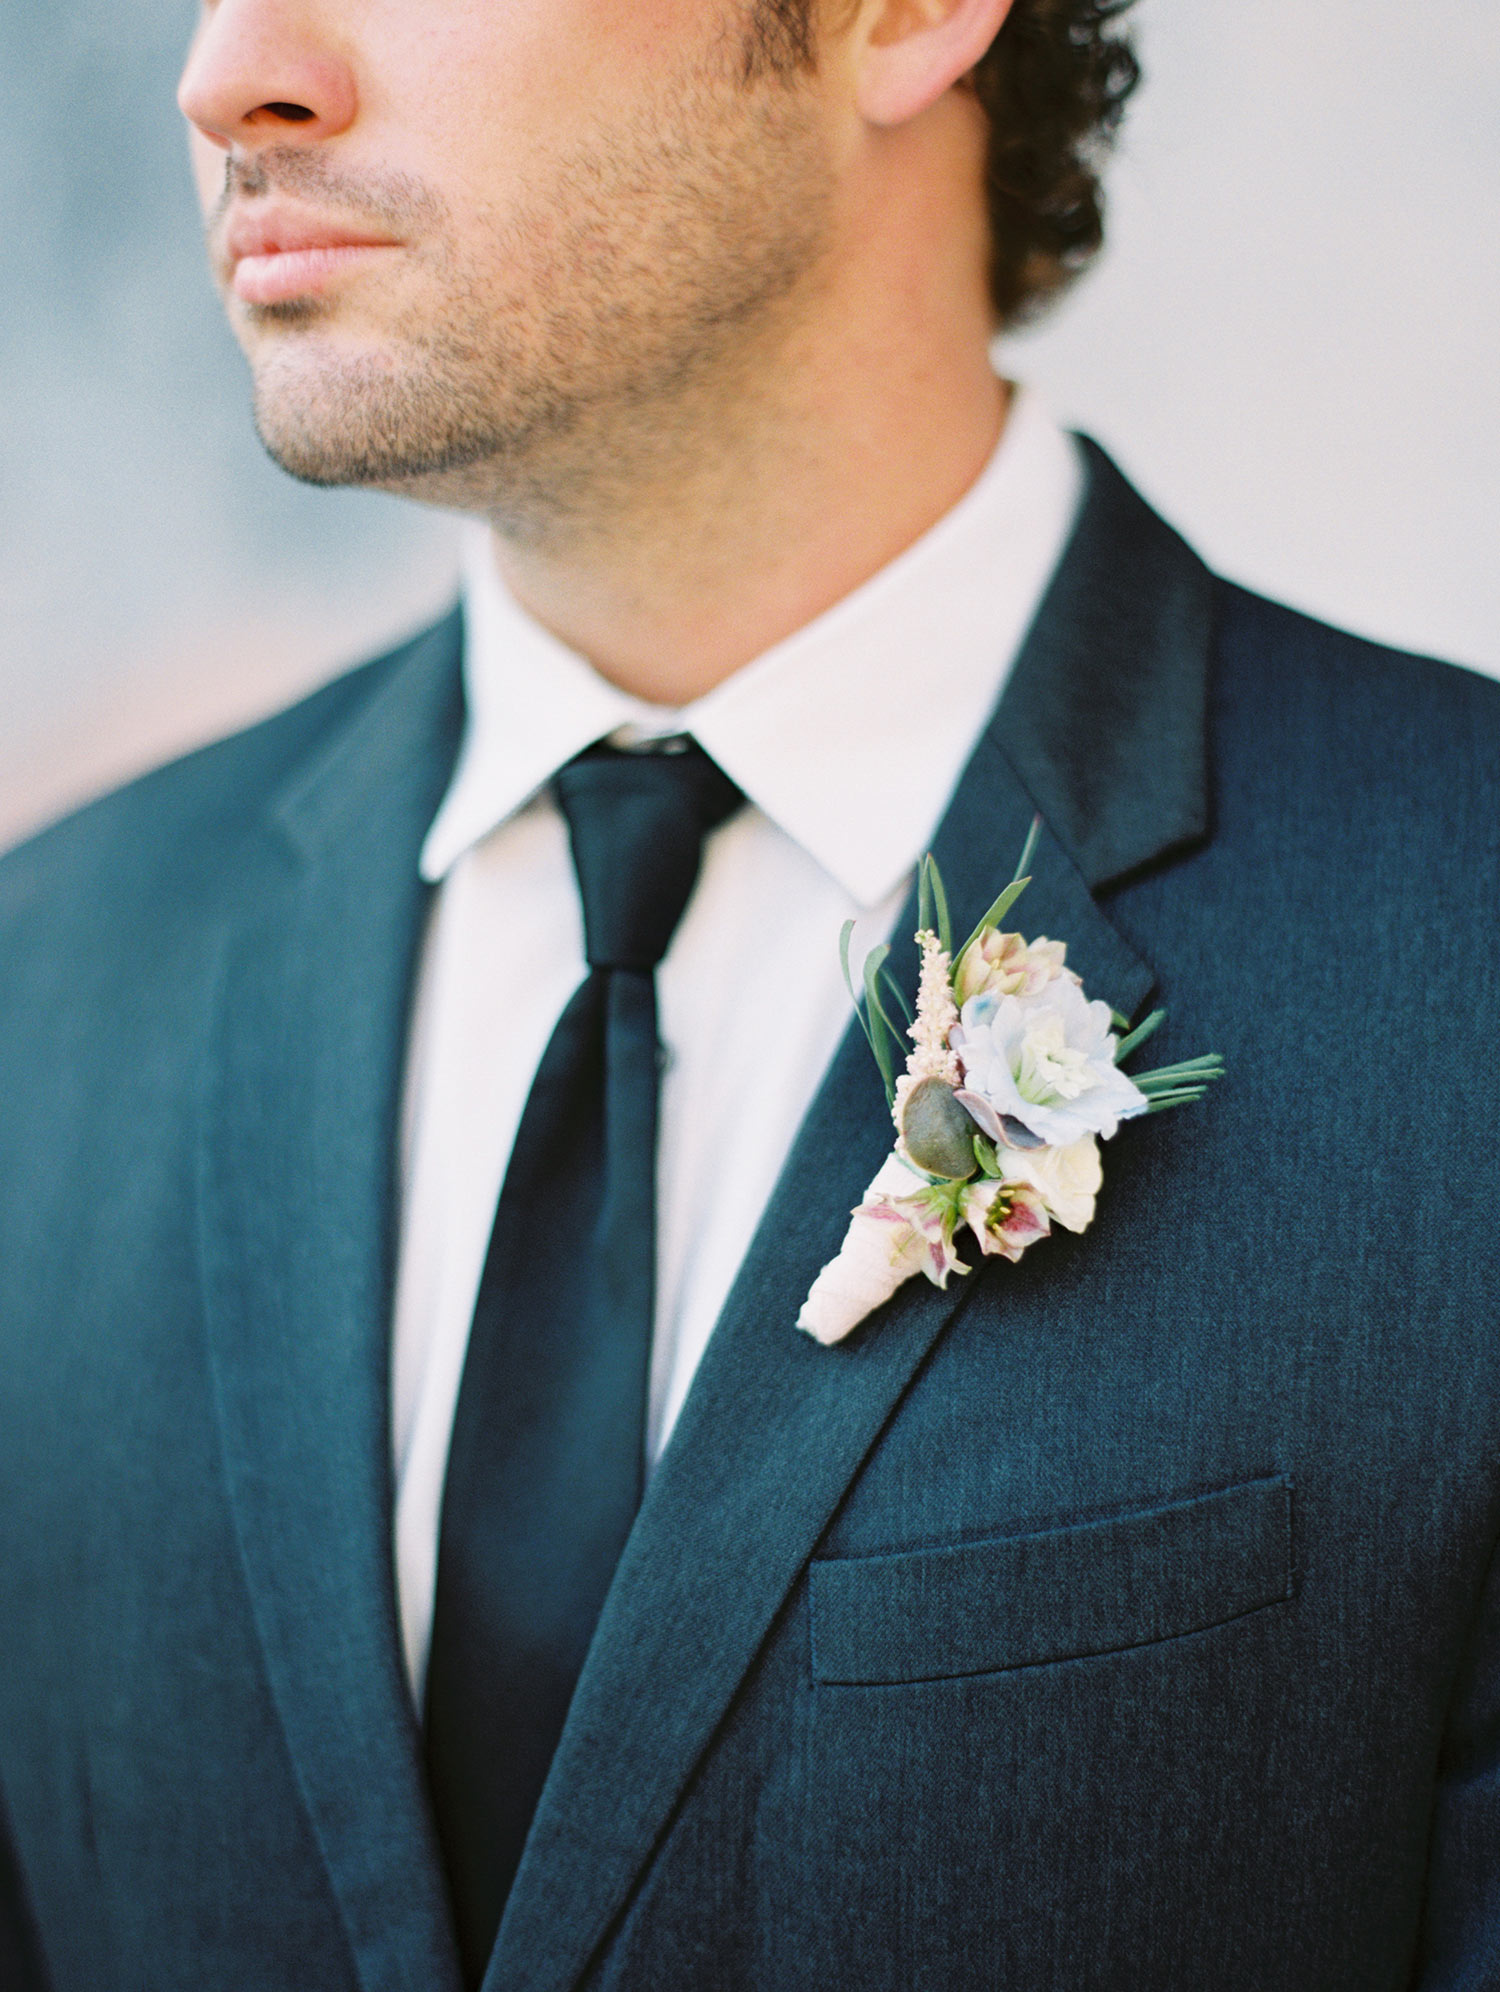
1100 730
297 1206
1106 712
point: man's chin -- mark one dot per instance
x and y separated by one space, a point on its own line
394 420
366 441
319 458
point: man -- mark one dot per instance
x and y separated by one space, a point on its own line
431 1555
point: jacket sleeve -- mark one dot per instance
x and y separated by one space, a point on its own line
21 1967
1461 1926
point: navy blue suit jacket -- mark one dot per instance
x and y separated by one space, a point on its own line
1123 1618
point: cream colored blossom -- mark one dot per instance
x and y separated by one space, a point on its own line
996 964
1067 1179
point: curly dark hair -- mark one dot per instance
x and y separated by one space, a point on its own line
1054 84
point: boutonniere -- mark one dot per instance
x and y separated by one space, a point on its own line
1012 1079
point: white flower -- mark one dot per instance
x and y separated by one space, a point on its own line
1046 1060
1067 1179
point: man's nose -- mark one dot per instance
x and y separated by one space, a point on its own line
259 73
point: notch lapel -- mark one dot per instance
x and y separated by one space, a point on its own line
1101 730
297 1182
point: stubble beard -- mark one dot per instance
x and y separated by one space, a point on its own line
608 329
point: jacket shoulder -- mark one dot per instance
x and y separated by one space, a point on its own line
182 823
1295 671
1340 758
107 912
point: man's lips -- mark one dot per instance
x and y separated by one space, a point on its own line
276 254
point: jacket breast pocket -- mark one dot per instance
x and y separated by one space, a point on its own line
1131 1579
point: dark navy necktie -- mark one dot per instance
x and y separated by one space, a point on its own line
547 1461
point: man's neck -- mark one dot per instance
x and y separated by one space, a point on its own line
733 548
690 537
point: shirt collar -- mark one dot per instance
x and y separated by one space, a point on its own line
850 734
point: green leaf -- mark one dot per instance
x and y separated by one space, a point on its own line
1011 893
892 987
876 975
1028 851
1139 1035
940 900
986 1157
996 913
845 935
885 1039
1193 1071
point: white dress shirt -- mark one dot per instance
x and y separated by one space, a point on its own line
847 740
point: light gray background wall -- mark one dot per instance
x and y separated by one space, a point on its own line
1291 345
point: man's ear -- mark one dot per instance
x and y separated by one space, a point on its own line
914 50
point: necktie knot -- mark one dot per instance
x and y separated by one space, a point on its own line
637 821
